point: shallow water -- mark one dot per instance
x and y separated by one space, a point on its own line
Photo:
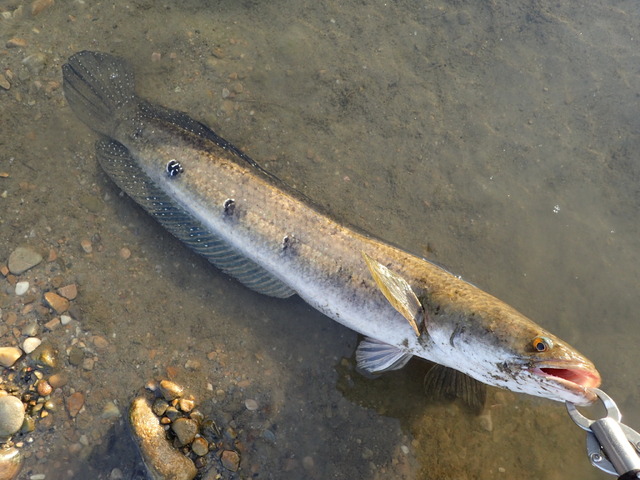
497 139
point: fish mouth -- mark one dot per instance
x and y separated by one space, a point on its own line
577 379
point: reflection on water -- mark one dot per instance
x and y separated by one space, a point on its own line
497 139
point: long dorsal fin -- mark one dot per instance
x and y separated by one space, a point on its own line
398 291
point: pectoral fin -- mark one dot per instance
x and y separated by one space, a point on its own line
444 383
374 356
398 291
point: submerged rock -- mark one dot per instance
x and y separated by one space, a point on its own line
11 415
10 463
22 259
163 462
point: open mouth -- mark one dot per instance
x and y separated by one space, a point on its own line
571 377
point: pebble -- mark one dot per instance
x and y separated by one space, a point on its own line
11 415
170 390
230 460
65 319
100 342
22 259
38 5
44 388
110 410
160 458
9 356
4 83
159 406
74 402
125 253
185 430
70 292
16 42
10 463
186 404
200 446
30 344
55 301
22 288
58 380
86 245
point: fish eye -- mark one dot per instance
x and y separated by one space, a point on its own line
542 344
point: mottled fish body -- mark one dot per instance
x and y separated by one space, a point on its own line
224 206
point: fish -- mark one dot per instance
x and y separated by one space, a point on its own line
270 237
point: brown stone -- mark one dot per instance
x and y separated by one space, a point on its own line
16 42
74 402
69 292
55 301
100 342
58 380
38 5
230 460
162 460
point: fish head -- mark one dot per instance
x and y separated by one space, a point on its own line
503 348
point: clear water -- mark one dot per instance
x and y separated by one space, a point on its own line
497 138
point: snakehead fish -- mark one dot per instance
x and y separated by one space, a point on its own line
224 206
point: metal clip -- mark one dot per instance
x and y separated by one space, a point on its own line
612 446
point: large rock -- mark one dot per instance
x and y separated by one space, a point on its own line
163 462
11 415
22 259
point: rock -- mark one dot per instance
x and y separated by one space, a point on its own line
38 5
74 402
58 380
22 288
76 356
10 463
70 292
170 390
22 259
44 388
160 406
185 430
30 344
65 319
9 356
55 301
186 404
110 410
230 460
11 415
200 446
163 462
100 342
251 404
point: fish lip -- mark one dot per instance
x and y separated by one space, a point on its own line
582 377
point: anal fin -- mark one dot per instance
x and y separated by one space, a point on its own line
444 383
374 356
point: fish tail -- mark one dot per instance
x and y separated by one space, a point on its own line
99 89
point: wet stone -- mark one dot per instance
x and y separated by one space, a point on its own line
160 406
55 301
22 259
230 460
76 356
170 390
58 380
30 344
70 292
9 355
185 430
74 402
11 415
160 458
200 446
10 463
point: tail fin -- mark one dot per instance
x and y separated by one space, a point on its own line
99 88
